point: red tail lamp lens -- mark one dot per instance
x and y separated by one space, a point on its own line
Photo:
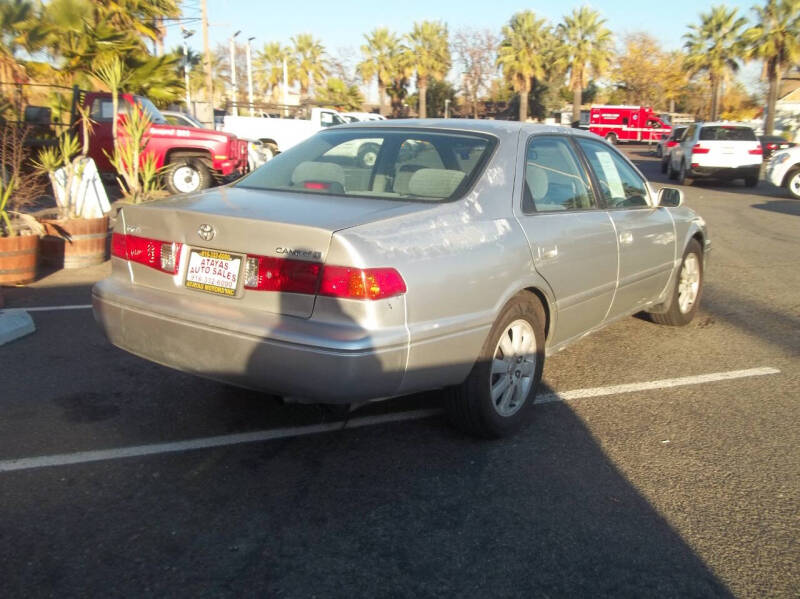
317 185
264 273
698 149
161 255
756 150
672 144
357 283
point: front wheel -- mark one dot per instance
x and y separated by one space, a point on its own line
612 139
187 175
497 397
687 290
793 183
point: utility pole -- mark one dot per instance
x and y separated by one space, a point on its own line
186 35
250 77
233 74
207 61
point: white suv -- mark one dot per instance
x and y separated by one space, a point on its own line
784 170
716 151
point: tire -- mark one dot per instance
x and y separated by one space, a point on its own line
368 154
687 291
793 183
750 181
671 174
683 176
470 406
612 139
664 163
659 153
187 175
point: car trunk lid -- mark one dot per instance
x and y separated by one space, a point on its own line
213 234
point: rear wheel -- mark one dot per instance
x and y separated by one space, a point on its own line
751 181
368 154
270 150
688 289
671 174
497 397
187 175
612 139
793 183
664 164
683 175
659 152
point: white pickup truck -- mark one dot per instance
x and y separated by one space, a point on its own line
280 134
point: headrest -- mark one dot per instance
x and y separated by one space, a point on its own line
324 172
536 178
434 182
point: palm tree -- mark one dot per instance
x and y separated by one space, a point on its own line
380 52
521 54
774 39
310 62
713 46
588 47
270 60
429 55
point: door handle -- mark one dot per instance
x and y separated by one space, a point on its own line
626 238
548 253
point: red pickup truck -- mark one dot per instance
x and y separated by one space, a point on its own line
194 158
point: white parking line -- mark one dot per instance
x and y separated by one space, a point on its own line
83 457
52 308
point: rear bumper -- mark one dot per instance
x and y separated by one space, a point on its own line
720 172
283 355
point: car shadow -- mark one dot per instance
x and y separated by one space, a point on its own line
781 206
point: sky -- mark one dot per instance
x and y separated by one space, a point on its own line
343 24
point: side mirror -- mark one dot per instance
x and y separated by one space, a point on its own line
669 197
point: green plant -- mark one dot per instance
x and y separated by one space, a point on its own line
7 226
139 177
55 158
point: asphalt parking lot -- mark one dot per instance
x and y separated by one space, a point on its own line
663 461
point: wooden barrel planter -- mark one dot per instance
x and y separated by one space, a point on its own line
18 258
74 243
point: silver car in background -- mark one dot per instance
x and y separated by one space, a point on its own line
461 257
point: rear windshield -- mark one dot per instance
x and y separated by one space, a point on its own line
727 133
404 164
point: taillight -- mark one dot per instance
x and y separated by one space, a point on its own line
698 149
263 273
672 144
161 255
316 185
358 283
756 150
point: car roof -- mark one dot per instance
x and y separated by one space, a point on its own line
471 125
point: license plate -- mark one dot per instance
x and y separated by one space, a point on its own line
213 272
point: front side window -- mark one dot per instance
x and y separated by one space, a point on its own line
620 184
381 163
554 178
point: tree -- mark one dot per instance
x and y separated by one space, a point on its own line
270 61
429 56
713 46
638 69
309 59
381 54
775 40
588 47
476 54
673 77
521 54
340 96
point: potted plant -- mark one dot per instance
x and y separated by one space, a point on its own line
19 188
71 240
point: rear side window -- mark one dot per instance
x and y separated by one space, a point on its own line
620 185
554 178
727 133
406 164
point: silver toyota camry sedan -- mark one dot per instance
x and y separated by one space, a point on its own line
457 259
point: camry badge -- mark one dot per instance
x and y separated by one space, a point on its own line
206 232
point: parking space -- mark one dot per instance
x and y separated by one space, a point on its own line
662 461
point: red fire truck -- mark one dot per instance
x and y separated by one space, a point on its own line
627 123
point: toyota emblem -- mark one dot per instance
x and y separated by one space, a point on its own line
206 232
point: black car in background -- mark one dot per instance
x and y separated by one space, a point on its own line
772 143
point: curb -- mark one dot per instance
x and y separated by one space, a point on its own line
15 324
